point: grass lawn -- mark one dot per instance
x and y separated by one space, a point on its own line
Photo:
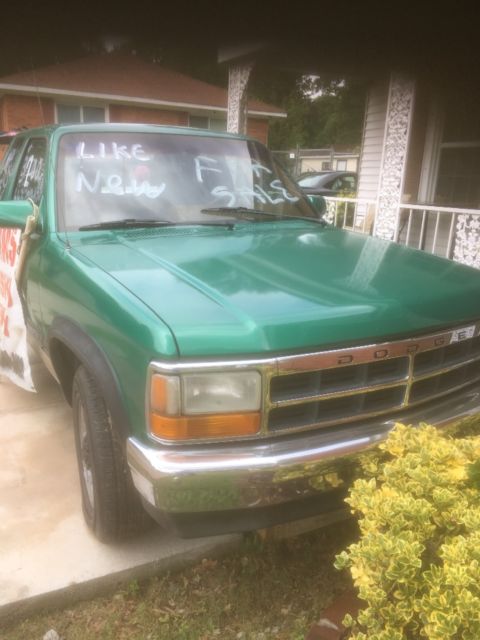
260 592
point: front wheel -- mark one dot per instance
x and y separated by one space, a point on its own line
111 506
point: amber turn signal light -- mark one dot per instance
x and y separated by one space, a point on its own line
204 426
165 395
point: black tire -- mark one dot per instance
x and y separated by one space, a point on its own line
111 506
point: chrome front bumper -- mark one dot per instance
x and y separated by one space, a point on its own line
201 479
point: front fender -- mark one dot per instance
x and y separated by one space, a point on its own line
67 339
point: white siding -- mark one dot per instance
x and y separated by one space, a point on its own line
372 144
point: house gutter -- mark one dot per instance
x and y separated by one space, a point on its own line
148 102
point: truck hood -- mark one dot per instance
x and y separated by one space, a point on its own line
264 287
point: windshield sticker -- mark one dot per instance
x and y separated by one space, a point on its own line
14 363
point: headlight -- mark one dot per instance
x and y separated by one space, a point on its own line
205 405
221 393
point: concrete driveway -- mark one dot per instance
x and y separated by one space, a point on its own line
48 556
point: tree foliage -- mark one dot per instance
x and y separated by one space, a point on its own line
321 112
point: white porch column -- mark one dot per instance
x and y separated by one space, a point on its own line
392 171
238 75
467 241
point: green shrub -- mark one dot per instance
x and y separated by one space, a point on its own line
417 564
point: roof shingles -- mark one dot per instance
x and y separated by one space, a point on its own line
128 76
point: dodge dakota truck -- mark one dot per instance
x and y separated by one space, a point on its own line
227 354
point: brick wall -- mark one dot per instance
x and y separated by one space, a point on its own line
258 129
25 111
30 111
126 113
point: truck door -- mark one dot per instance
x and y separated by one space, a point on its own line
29 183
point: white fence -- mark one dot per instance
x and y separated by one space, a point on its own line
449 232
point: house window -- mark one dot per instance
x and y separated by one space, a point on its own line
326 166
458 179
458 174
204 122
199 122
73 113
217 124
341 165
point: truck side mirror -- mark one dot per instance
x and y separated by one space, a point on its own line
14 213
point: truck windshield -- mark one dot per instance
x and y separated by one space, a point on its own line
103 177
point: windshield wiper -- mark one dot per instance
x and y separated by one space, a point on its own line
129 223
125 223
240 212
254 215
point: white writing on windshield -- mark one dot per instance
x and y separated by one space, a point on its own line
97 174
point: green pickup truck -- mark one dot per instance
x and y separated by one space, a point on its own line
227 354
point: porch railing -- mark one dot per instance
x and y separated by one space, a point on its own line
355 214
449 232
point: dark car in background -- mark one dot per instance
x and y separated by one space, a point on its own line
328 183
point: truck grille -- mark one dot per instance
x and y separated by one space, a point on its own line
344 385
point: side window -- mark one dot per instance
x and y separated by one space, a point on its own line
348 183
30 176
8 163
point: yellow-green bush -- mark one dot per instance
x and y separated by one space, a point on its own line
417 564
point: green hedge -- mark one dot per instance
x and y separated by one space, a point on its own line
417 563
